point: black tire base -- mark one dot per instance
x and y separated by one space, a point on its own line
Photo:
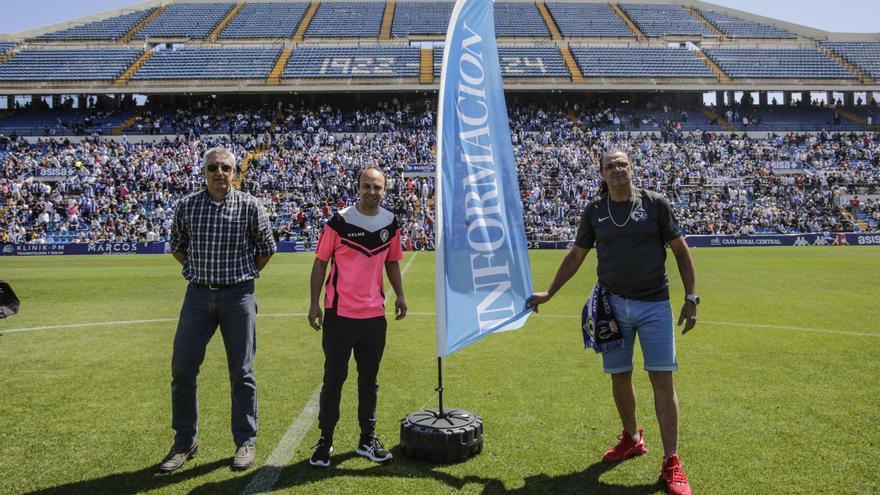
455 437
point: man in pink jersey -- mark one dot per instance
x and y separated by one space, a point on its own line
358 242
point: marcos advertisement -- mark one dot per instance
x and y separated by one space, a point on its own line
112 248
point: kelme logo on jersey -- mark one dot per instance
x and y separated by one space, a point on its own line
383 234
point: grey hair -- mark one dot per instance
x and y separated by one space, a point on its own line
218 150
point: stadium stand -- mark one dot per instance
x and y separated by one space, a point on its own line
414 18
655 20
68 64
588 20
791 173
777 63
347 20
522 61
186 20
639 62
511 19
717 184
110 29
735 27
865 55
209 63
353 62
519 20
266 20
61 123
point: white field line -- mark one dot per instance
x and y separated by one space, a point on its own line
268 474
425 314
719 323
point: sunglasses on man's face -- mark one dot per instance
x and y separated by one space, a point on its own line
213 168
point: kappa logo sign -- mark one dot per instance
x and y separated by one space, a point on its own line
800 241
820 241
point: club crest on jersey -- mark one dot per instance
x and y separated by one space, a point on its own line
383 234
639 215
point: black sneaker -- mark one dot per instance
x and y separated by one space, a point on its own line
371 448
321 457
177 456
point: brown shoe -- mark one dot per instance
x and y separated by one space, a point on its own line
177 456
244 457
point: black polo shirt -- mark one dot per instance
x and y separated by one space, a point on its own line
631 258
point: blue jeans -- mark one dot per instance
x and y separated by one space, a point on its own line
652 321
234 309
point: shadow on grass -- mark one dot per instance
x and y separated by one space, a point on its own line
586 481
301 474
132 482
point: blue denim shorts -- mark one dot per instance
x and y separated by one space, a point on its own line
652 321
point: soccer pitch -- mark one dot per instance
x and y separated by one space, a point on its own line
779 384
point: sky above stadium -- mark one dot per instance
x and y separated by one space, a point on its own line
850 16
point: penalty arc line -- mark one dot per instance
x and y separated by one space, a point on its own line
269 473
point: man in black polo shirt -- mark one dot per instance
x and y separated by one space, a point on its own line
223 238
630 227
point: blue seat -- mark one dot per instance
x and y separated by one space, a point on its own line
347 20
110 29
186 20
353 62
209 63
266 20
634 62
68 64
588 20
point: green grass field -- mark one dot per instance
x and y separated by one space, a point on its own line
779 383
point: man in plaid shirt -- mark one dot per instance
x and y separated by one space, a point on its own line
223 238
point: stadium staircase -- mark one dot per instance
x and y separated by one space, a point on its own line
555 35
387 19
863 78
120 129
150 18
576 75
306 20
705 22
629 23
274 78
11 53
244 166
226 20
426 67
712 116
126 76
857 119
722 77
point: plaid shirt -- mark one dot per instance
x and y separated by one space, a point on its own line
220 242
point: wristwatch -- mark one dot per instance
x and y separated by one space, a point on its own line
693 298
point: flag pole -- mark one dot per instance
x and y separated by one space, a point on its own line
439 389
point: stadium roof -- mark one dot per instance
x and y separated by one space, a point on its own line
309 52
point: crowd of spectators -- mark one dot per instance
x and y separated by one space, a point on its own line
303 165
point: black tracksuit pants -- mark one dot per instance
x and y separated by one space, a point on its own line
366 337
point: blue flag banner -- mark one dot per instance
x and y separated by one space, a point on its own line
483 272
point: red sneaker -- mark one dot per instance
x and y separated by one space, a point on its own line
673 476
625 448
